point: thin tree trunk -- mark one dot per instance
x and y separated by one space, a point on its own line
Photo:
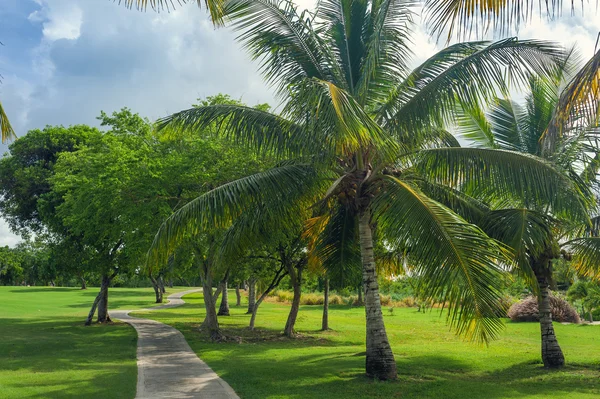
251 295
224 307
552 355
161 284
279 275
157 291
90 317
380 361
296 277
103 316
211 322
171 283
591 316
238 295
325 321
83 282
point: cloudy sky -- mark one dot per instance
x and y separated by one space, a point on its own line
65 60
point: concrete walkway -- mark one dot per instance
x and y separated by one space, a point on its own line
167 366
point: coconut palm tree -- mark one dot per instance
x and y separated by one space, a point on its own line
544 126
356 124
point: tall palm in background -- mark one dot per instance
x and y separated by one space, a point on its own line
356 134
537 233
6 130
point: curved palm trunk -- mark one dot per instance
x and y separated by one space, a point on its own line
296 277
380 361
224 307
552 355
325 321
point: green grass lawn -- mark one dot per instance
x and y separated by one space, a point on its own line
46 352
432 361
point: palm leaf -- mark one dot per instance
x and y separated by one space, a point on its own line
586 255
526 232
579 102
283 39
464 17
527 180
5 128
261 130
472 73
269 191
456 259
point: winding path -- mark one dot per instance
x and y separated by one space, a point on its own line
167 366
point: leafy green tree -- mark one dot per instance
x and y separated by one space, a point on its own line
355 115
534 230
11 269
588 294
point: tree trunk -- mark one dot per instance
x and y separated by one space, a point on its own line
211 322
296 277
171 283
238 296
591 316
157 291
90 317
380 361
83 283
251 295
224 307
103 316
552 355
161 284
325 321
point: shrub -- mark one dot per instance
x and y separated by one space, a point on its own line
527 310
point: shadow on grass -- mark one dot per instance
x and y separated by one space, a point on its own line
49 358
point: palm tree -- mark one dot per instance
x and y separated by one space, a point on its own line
544 127
354 126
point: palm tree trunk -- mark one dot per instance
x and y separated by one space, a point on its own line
296 277
251 295
380 361
238 296
325 321
224 307
552 355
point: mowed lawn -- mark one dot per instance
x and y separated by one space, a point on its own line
432 361
47 352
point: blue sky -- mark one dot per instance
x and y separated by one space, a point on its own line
65 60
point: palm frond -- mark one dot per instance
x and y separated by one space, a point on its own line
5 128
472 73
269 191
471 124
527 180
586 255
344 125
579 102
337 247
462 18
283 39
215 7
387 50
456 259
526 232
261 130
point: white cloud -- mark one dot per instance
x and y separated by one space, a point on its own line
60 19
